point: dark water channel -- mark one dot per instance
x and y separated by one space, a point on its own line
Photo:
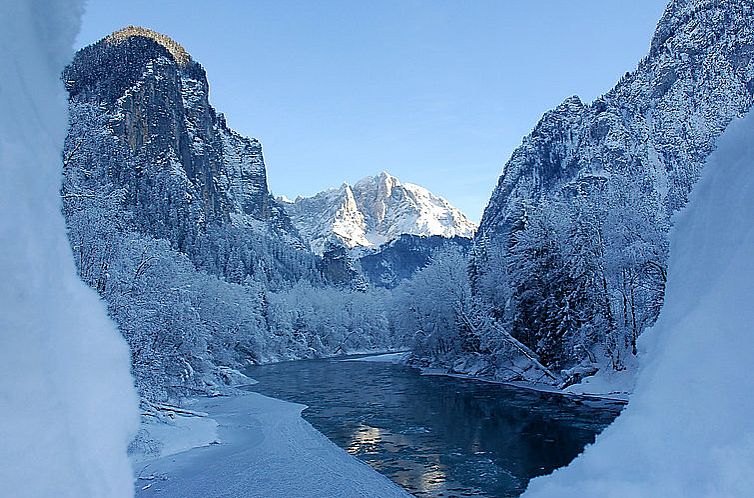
437 436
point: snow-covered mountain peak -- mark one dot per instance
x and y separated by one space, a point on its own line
383 178
381 185
375 210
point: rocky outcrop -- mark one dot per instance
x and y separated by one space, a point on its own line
184 167
662 119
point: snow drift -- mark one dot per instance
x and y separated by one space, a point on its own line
688 430
68 405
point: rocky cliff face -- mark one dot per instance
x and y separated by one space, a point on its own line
181 164
374 211
661 120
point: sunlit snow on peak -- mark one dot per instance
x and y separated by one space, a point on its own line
375 210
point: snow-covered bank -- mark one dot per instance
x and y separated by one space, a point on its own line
614 390
398 357
577 392
606 383
68 405
167 430
688 431
266 449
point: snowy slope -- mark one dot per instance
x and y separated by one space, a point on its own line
266 450
68 405
372 212
688 430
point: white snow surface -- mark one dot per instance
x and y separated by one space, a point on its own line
688 431
175 434
67 398
266 450
382 358
372 212
606 383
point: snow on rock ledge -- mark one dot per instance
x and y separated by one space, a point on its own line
68 404
688 431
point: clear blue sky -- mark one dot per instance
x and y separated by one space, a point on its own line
436 92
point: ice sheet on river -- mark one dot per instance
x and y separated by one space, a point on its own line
266 450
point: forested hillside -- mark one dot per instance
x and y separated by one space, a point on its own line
172 223
569 263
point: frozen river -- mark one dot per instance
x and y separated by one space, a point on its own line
434 435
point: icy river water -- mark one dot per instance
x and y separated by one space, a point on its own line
436 435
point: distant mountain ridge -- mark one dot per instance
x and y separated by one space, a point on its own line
374 211
399 259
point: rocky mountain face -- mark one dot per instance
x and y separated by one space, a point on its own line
661 120
374 211
571 252
151 102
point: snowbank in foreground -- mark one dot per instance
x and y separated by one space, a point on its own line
688 430
68 405
266 450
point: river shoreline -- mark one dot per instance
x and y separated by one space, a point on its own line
621 398
260 443
393 357
263 447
